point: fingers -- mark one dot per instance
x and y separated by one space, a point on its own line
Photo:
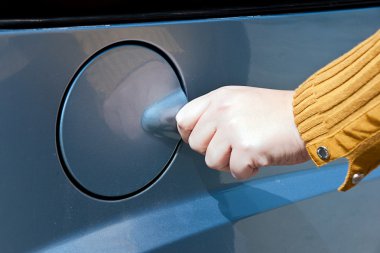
202 133
218 153
241 166
189 115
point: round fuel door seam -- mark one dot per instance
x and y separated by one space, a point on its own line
116 130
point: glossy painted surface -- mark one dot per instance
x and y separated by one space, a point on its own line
235 204
103 143
190 208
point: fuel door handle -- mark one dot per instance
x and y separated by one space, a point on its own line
159 118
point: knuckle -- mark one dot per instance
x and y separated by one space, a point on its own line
180 121
196 145
262 158
191 141
247 170
179 116
224 107
247 147
184 128
212 162
262 161
238 174
209 161
259 154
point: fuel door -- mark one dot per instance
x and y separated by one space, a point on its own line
116 129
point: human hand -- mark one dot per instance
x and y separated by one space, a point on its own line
241 129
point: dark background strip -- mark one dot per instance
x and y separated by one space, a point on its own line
42 13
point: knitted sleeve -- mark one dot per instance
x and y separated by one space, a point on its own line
337 111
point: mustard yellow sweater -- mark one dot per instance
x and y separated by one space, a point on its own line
337 111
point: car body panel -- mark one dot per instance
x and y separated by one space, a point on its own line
190 207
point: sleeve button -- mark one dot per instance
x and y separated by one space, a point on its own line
356 178
323 153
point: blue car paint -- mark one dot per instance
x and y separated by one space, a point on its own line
202 213
190 208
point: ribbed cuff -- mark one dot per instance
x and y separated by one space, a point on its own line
337 110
